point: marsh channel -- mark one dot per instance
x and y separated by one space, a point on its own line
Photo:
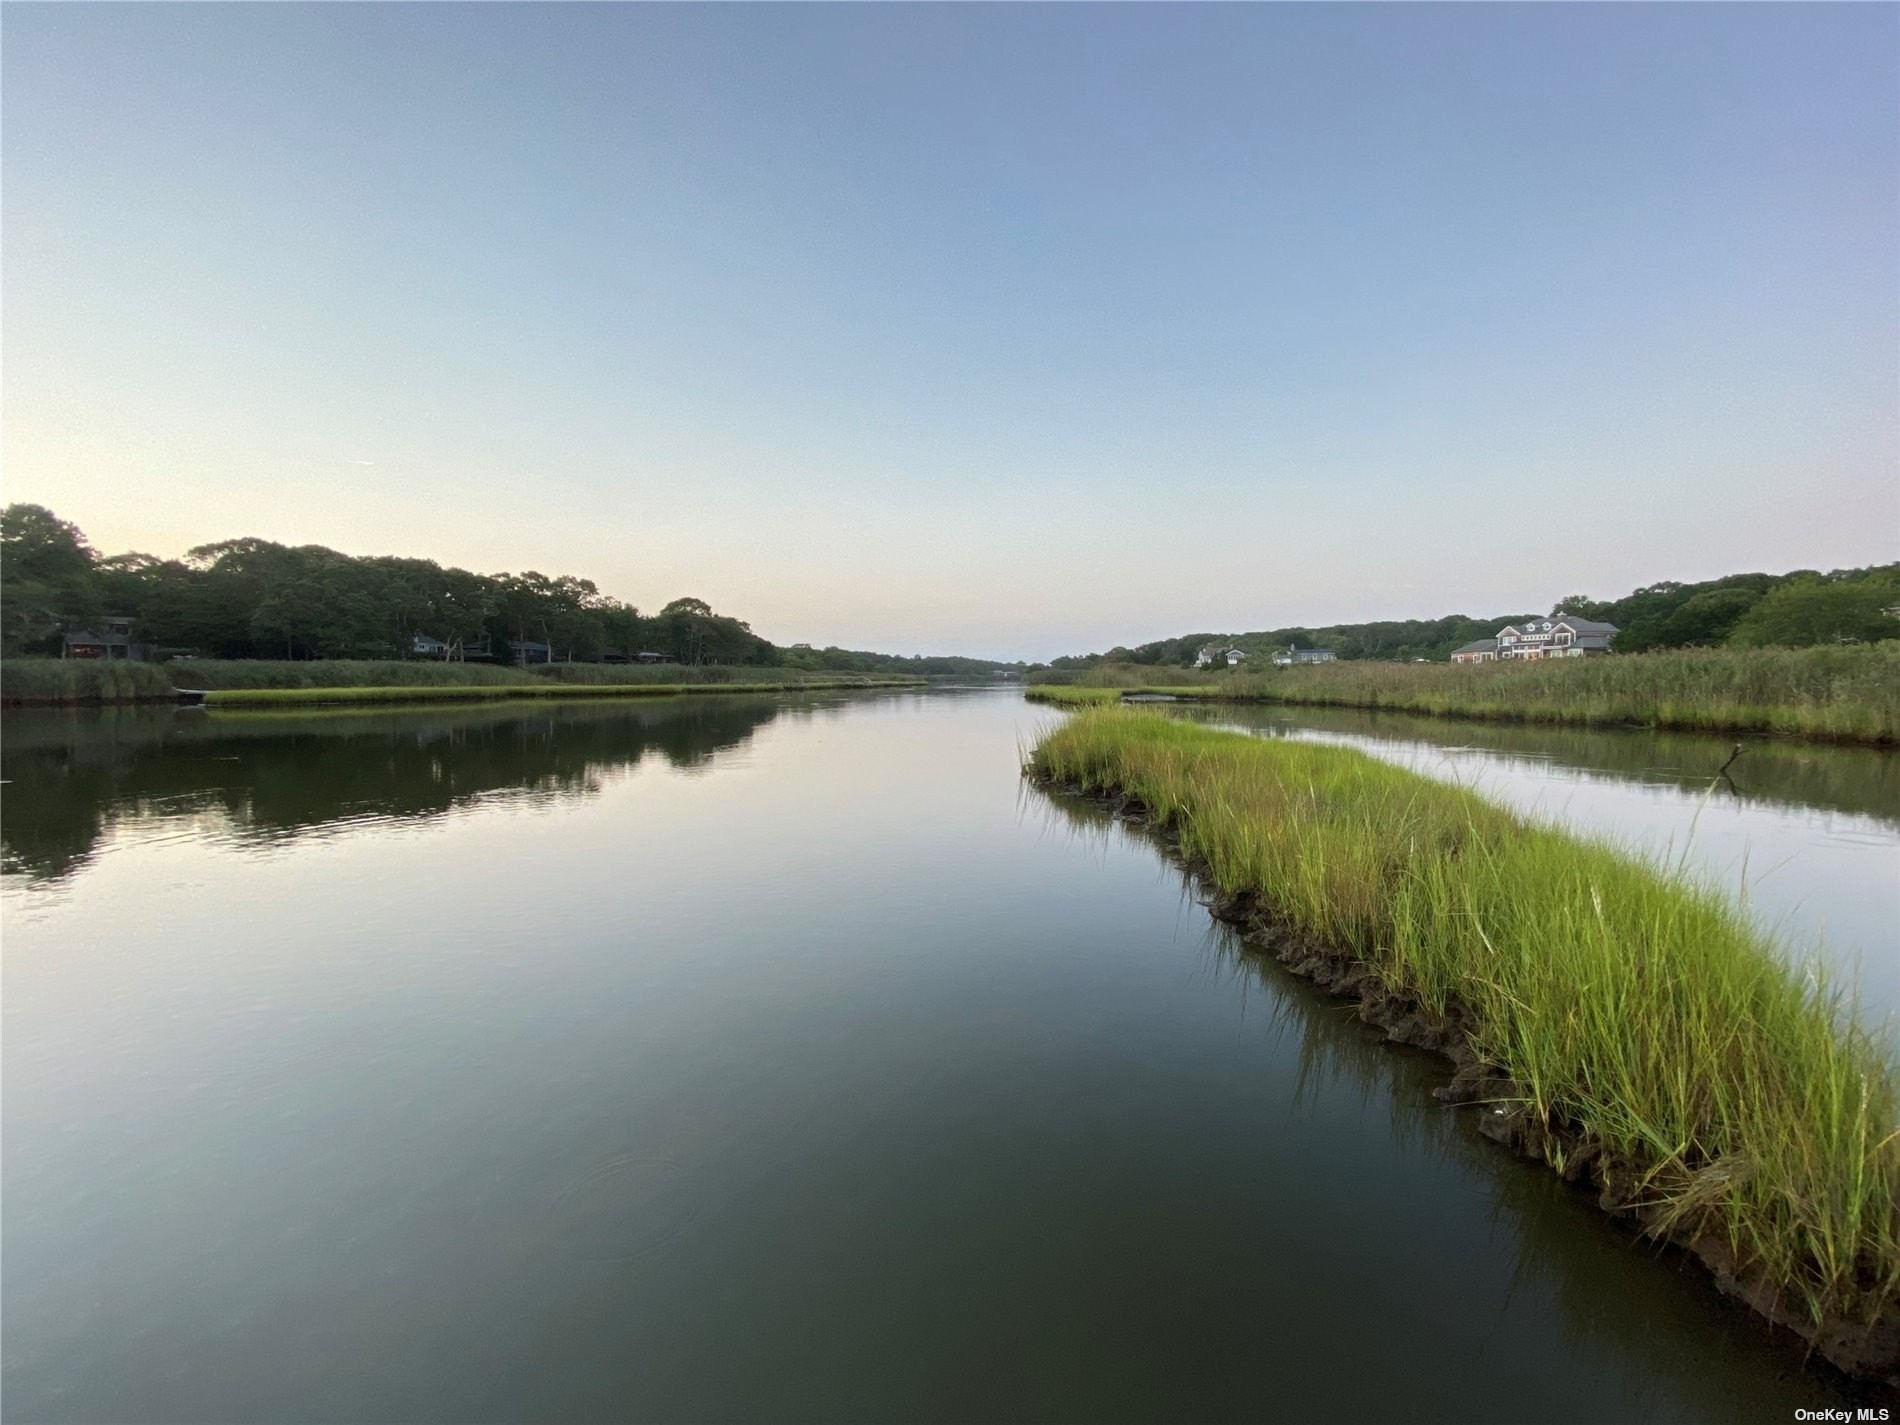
785 1058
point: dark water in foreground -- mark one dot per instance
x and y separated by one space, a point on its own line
732 1059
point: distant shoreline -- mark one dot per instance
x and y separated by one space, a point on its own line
50 683
1848 695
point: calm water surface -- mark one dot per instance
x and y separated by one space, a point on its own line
753 1060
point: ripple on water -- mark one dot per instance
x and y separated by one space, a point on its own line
626 1208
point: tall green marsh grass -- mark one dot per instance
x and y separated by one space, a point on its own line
1851 693
1095 695
1071 695
222 673
619 674
538 690
53 681
1738 1094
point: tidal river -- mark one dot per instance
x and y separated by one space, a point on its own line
786 1059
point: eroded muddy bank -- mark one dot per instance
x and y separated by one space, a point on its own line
1868 1354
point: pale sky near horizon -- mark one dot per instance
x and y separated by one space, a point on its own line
1002 330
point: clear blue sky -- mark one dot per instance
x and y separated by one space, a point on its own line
1002 330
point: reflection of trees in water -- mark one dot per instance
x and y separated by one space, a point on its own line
1649 1319
1864 780
74 775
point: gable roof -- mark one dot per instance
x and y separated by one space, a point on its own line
1479 645
1585 625
1569 621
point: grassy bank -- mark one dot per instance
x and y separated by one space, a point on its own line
1090 695
215 673
1637 1016
1850 693
52 682
335 673
234 698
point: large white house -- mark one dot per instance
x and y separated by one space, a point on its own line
1217 655
1561 635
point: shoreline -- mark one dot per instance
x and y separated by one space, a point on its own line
1868 1356
433 693
1080 695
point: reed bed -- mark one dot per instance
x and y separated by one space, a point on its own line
609 674
234 698
1849 693
1630 1006
1079 695
55 681
234 673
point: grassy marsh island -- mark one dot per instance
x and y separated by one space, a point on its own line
538 691
1618 1021
1844 693
263 682
1094 695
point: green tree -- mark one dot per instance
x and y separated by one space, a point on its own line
1822 610
1706 618
47 578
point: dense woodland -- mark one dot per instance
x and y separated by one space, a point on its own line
250 598
1794 610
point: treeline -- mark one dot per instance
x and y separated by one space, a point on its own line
848 660
1794 610
251 598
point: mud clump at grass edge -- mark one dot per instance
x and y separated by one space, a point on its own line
1621 1024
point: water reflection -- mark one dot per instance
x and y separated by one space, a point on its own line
1861 780
73 777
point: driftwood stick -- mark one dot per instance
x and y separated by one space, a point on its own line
1722 771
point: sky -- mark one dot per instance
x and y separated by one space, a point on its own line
1003 330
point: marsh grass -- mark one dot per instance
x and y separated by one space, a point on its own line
1741 1096
1851 693
54 681
614 674
222 673
1080 695
233 698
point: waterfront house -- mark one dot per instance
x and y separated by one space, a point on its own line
1290 656
1483 650
424 645
1561 635
115 643
523 651
1213 655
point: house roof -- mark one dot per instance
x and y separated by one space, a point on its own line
1569 621
1481 645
